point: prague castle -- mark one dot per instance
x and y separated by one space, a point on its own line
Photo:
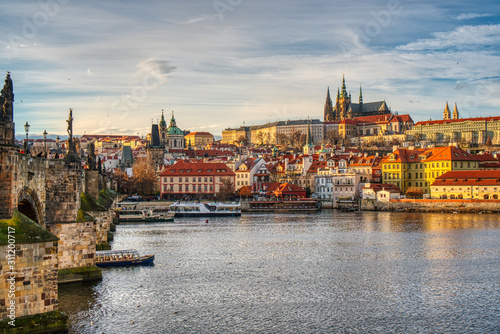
345 109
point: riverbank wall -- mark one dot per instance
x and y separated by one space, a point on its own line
432 205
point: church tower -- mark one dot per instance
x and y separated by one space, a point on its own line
328 110
446 112
163 129
455 112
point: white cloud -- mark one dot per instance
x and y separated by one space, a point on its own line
461 37
470 16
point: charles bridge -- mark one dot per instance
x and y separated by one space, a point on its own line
59 213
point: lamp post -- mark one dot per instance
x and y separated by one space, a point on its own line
26 129
45 141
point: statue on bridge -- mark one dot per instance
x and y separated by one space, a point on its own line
72 158
7 99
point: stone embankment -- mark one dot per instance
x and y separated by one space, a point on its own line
432 205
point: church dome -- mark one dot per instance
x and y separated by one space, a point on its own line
173 129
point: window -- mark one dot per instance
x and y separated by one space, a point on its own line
180 179
199 179
194 179
187 187
171 179
205 179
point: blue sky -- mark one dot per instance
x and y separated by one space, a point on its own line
225 63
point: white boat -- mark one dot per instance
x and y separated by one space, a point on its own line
142 216
205 209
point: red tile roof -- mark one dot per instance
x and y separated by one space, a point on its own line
183 168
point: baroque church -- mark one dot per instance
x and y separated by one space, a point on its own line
164 140
345 109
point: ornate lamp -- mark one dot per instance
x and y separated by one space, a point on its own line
26 129
45 141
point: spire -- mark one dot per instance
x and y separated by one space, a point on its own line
455 112
338 93
172 120
163 123
328 109
446 112
360 95
344 90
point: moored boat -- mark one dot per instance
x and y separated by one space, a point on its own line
302 205
122 258
205 209
142 216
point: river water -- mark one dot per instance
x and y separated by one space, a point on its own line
331 272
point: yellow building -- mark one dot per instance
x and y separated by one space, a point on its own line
198 139
419 168
467 185
465 130
231 136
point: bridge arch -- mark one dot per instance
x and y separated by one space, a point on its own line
29 205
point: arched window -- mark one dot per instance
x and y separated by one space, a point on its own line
495 196
452 196
486 197
445 196
460 196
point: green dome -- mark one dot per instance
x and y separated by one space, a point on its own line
173 130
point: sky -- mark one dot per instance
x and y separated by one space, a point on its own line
226 63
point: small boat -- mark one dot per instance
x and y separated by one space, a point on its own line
142 216
205 209
122 258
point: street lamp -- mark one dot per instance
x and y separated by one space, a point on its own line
45 141
57 143
26 129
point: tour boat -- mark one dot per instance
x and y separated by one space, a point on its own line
143 216
205 209
122 258
302 205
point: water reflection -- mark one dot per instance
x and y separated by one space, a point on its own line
372 272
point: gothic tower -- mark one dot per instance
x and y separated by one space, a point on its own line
328 110
446 112
455 112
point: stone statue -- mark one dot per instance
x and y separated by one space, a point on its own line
7 95
72 158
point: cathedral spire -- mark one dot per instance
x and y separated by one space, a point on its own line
360 95
344 90
328 109
446 112
455 112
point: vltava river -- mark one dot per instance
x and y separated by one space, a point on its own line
331 272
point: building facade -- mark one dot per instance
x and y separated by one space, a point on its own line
194 178
467 185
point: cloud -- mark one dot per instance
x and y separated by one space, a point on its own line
461 37
155 67
470 16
